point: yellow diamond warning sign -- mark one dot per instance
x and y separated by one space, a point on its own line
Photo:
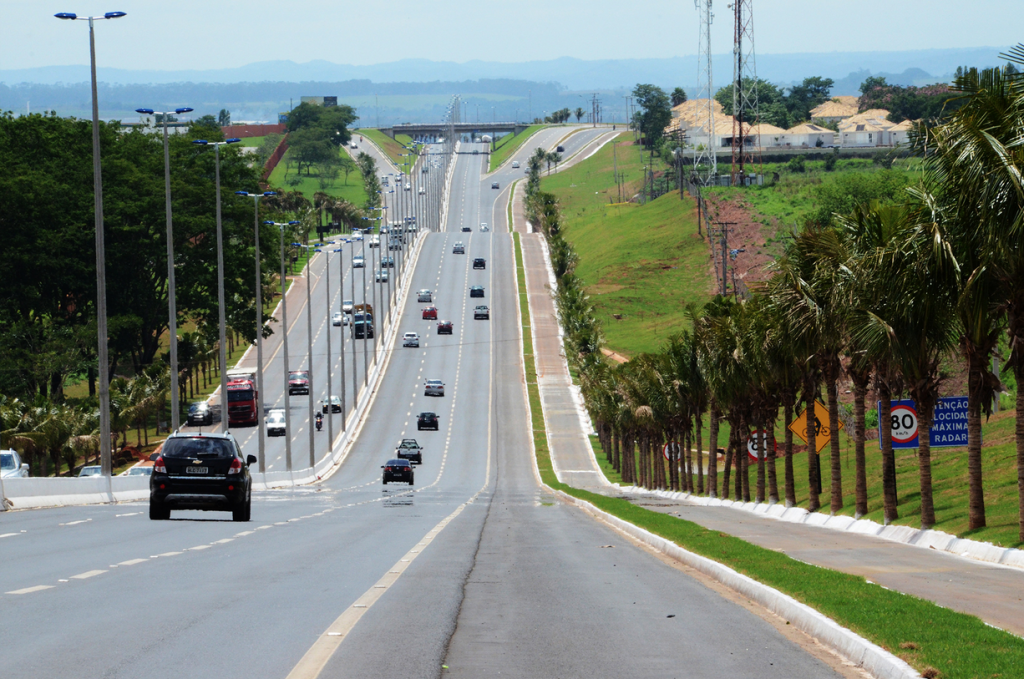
822 433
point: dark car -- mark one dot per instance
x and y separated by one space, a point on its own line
200 471
298 382
388 262
408 449
476 291
362 330
430 313
444 327
199 414
427 421
481 313
479 263
495 185
464 229
397 470
560 149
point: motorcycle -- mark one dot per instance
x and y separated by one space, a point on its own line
319 421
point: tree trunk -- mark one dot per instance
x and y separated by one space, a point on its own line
744 458
832 377
976 373
1018 432
925 415
860 391
616 452
787 442
888 459
769 455
713 456
727 469
700 456
737 454
688 454
813 478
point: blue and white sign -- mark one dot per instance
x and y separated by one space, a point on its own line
949 425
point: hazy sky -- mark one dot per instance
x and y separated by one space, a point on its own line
193 34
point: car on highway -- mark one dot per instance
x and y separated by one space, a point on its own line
515 164
560 149
481 313
423 190
479 263
397 470
388 262
358 262
430 313
199 414
381 276
484 227
424 296
275 422
476 291
358 235
459 249
200 471
335 404
346 306
90 470
408 187
339 319
395 244
409 449
427 421
141 469
467 229
374 241
444 327
495 185
11 466
298 382
411 339
433 388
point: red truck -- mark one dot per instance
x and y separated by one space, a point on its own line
242 402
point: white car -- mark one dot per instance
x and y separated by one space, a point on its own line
423 192
411 339
141 469
346 306
484 227
339 319
382 276
433 388
374 241
91 470
424 296
275 422
11 466
358 262
358 235
515 164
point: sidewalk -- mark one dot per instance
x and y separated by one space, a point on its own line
993 593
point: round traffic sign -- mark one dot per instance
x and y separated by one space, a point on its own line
757 443
904 424
664 451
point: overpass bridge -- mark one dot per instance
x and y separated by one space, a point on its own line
421 131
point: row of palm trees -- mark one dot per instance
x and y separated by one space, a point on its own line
884 297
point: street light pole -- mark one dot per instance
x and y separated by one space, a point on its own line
259 324
172 312
284 349
101 265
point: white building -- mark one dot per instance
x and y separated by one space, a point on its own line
809 135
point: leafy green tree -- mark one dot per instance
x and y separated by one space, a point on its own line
871 82
771 103
332 122
205 121
678 96
224 117
579 114
654 114
800 99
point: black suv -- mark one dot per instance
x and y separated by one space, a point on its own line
479 263
427 421
199 414
397 470
200 471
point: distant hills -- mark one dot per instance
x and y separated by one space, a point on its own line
416 89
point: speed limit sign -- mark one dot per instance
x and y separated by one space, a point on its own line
757 445
904 423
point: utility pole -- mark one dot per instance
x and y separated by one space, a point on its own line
705 159
725 252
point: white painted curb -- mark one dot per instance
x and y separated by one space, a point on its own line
934 540
872 658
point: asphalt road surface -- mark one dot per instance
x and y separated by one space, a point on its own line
474 567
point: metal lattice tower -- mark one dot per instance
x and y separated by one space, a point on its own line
705 160
744 94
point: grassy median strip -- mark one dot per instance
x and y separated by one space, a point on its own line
936 641
507 145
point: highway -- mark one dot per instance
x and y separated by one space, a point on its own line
473 571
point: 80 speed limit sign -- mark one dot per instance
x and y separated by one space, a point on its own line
904 423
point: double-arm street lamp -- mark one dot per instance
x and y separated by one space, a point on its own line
310 251
259 320
101 267
172 309
284 348
222 316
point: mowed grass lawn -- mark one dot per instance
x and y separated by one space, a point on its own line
642 264
392 148
350 190
509 144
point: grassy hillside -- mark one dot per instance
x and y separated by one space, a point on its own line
392 148
642 264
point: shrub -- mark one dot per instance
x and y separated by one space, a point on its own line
831 160
797 164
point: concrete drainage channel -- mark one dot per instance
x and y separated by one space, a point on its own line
34 493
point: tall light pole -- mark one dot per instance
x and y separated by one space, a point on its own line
259 322
222 315
172 310
284 348
310 250
101 265
330 358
